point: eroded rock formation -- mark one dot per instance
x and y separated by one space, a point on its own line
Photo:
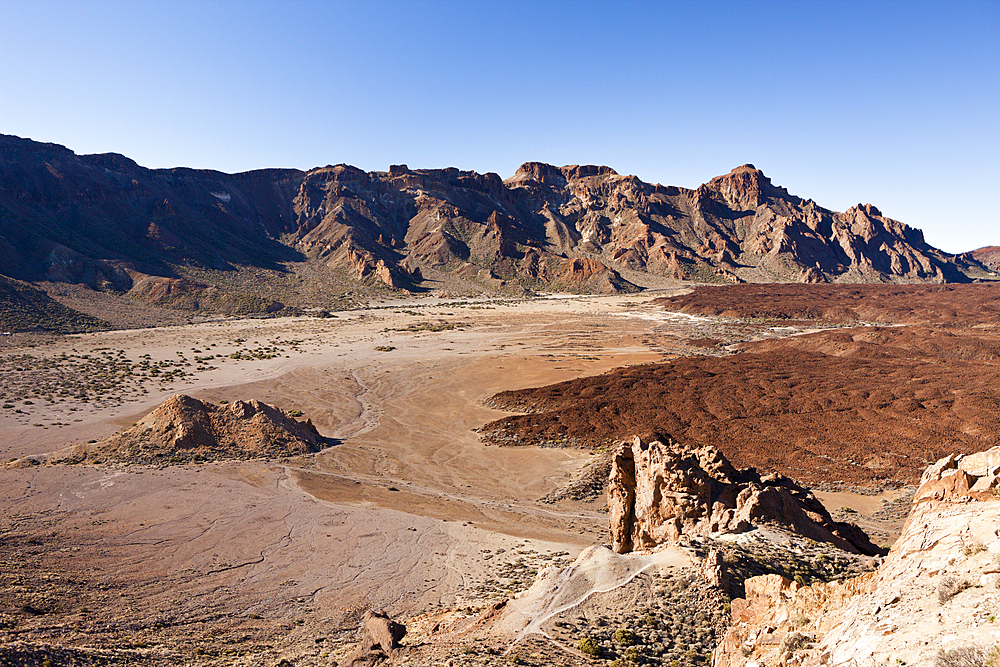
183 428
935 593
659 493
381 641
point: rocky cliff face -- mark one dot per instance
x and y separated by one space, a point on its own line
934 597
103 220
659 492
107 222
988 257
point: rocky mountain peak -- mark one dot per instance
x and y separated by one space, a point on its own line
121 224
745 188
539 172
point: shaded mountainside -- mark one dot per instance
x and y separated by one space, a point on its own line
24 308
104 221
988 257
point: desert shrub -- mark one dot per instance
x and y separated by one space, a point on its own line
589 646
973 549
795 641
968 656
624 636
798 619
950 587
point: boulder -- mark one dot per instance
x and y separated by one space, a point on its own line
381 641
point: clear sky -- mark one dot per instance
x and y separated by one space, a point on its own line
890 103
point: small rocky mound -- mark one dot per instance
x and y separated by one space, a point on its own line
659 492
184 429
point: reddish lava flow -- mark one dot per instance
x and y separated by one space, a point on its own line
866 406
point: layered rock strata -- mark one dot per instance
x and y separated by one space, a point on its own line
109 223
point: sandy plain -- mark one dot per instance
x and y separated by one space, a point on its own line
407 511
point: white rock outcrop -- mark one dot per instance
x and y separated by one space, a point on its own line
936 592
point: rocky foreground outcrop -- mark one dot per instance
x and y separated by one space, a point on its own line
659 493
184 429
936 596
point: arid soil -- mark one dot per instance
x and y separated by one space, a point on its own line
259 562
252 562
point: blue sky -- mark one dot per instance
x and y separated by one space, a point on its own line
892 103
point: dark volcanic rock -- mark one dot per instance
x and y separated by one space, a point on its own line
865 406
948 305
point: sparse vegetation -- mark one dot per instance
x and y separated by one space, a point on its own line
589 646
25 308
950 586
968 656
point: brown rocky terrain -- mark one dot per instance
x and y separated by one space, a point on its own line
261 241
865 406
660 492
944 305
183 430
275 562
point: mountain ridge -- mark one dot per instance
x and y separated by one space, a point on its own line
107 222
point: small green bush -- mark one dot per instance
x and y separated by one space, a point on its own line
590 647
624 636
